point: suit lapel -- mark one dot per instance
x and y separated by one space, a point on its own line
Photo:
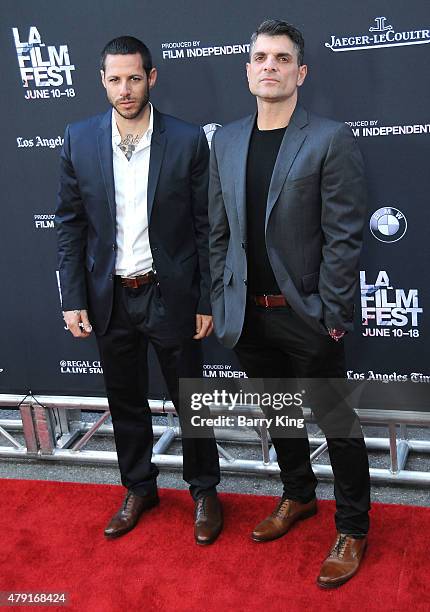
241 154
158 145
291 143
104 144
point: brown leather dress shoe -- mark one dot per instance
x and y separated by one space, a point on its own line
128 515
342 562
208 519
283 518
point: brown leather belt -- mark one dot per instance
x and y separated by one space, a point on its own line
136 281
269 301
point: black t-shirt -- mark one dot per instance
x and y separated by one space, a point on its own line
262 154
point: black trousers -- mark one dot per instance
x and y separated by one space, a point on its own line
139 317
276 343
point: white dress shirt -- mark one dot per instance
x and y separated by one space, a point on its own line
134 255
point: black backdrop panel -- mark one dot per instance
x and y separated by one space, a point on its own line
367 67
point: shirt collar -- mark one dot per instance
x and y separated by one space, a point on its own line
116 136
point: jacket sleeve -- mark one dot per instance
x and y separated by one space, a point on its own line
71 226
219 227
199 195
344 204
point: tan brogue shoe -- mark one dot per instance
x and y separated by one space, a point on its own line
283 518
128 515
342 562
208 519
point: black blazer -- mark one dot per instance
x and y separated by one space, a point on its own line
177 214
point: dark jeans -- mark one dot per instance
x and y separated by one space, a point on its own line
276 343
139 317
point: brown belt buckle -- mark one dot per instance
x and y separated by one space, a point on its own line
136 281
270 301
132 283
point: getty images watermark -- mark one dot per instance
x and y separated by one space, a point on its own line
234 400
282 406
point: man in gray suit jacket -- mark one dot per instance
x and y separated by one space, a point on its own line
287 201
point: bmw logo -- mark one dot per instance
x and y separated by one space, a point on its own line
210 129
388 224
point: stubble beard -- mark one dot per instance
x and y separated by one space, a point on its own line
132 115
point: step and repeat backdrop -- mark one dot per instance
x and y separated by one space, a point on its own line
368 66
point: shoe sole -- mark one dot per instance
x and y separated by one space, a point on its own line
114 536
302 517
324 585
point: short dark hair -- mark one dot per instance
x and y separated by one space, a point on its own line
276 27
127 45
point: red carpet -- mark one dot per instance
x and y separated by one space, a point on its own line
52 540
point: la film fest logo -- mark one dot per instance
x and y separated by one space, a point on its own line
210 129
388 224
189 49
48 68
388 311
381 34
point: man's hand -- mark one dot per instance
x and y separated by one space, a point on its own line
204 326
336 334
77 322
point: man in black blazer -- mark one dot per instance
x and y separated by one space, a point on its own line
287 201
133 261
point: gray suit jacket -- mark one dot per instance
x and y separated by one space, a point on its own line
314 219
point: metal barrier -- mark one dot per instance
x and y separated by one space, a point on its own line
53 430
